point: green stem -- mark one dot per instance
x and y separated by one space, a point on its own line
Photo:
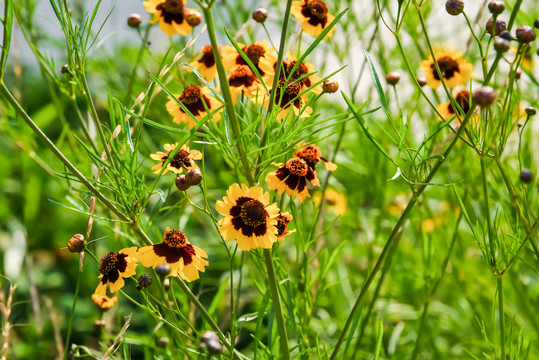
491 241
225 91
283 337
75 298
501 315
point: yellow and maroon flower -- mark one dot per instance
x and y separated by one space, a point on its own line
184 159
248 217
312 156
448 110
103 302
171 15
256 51
314 16
454 68
183 258
205 63
292 177
242 80
114 267
283 219
197 101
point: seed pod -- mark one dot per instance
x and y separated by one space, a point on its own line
393 78
181 183
501 45
330 86
144 281
525 34
501 25
454 7
422 81
526 176
162 270
134 20
76 244
260 15
506 35
193 177
496 7
484 96
530 111
193 17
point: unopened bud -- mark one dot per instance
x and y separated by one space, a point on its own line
162 342
525 34
166 284
393 78
181 183
144 281
134 20
501 45
454 7
210 342
76 244
193 17
260 15
526 176
496 7
506 35
484 96
330 86
193 177
64 69
162 270
536 24
501 25
530 111
422 81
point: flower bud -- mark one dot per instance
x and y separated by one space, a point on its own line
193 17
193 177
525 34
501 45
162 342
506 35
162 270
501 25
134 20
181 183
76 244
330 86
526 176
144 281
64 69
496 7
393 78
422 81
518 74
260 15
536 24
210 342
484 96
454 7
166 284
530 111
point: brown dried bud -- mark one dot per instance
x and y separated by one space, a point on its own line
134 20
501 45
76 244
484 96
260 15
210 342
144 281
393 78
501 25
64 69
530 111
330 86
193 17
526 176
536 24
181 183
454 7
422 81
193 177
525 34
496 7
518 74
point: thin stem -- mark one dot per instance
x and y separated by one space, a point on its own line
75 298
283 337
501 315
487 214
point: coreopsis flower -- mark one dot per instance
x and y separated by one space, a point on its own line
248 217
335 201
312 156
175 251
114 267
454 69
103 302
205 63
171 15
283 219
292 177
256 51
314 16
242 80
184 159
448 110
197 101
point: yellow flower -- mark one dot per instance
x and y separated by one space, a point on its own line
170 14
184 159
454 69
448 111
114 267
314 16
183 258
242 80
292 177
335 200
205 63
197 101
312 156
248 218
283 219
256 51
103 301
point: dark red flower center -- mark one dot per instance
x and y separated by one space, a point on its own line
175 239
207 56
241 75
190 95
282 224
253 213
173 6
310 153
316 11
112 262
463 99
254 53
448 67
171 10
297 166
181 159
